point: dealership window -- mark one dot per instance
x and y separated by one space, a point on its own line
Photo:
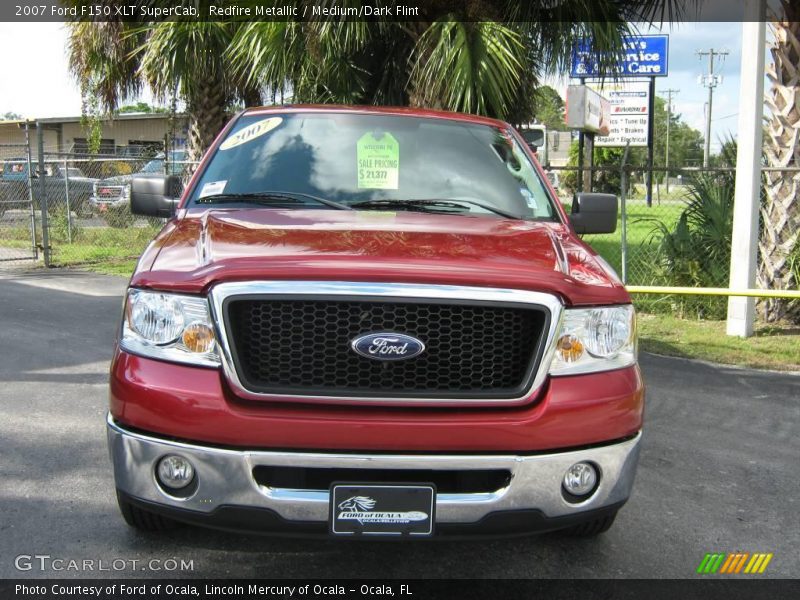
145 147
81 146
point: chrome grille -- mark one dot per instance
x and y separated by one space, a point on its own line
224 296
303 347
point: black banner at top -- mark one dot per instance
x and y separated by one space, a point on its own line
663 11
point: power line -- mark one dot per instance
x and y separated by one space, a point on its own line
710 80
669 94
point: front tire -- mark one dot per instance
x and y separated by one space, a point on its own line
144 520
591 528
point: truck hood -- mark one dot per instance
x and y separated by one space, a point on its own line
205 246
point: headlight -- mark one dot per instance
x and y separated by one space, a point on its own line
595 339
169 327
156 318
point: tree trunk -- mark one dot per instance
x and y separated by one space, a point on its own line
780 210
251 96
206 111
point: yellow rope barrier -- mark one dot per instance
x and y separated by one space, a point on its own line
647 289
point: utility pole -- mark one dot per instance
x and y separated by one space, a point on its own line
711 80
669 118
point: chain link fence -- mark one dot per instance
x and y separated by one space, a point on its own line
17 215
681 237
88 206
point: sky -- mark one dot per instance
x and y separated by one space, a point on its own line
39 83
685 39
685 67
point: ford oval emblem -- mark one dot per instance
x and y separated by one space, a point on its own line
387 345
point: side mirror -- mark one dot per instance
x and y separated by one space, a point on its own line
155 195
594 213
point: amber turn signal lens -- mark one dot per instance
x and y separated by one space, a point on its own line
569 348
198 337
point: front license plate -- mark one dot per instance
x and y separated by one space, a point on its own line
377 510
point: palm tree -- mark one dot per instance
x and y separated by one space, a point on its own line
780 210
113 60
483 56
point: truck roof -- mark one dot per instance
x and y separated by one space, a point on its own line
379 110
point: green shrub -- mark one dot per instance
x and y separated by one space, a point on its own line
794 265
118 216
696 251
59 227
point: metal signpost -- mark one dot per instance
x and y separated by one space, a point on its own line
587 111
43 193
644 56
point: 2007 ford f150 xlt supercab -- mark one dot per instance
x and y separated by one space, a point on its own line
373 322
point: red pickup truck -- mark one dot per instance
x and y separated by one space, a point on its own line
373 322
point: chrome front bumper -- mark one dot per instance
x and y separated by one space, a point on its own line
225 478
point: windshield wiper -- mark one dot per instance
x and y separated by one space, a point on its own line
434 203
268 198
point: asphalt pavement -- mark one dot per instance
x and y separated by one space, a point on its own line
719 471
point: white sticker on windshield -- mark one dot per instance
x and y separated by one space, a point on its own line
529 199
212 188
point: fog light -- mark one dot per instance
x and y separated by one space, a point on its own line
580 479
175 472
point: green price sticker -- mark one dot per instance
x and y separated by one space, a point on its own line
378 161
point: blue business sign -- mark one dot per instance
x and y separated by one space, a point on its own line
644 56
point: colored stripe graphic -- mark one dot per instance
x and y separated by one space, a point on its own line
704 563
715 567
728 562
755 563
740 564
764 564
711 562
734 563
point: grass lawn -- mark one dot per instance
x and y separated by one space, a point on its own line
121 266
641 253
110 250
772 347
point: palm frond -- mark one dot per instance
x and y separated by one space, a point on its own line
184 54
102 58
468 67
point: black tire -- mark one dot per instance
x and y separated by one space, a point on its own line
144 520
591 528
84 210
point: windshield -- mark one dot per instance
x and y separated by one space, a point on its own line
535 137
157 164
154 166
354 158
